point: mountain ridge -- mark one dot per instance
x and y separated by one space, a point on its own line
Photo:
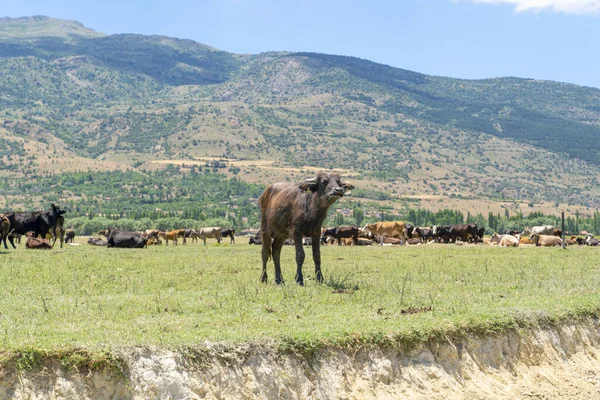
136 99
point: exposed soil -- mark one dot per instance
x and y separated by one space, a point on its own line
550 363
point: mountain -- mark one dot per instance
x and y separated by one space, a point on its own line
95 102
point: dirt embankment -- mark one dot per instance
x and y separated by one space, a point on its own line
555 362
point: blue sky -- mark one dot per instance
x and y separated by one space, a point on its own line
541 39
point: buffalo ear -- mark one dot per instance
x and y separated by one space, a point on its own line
347 188
310 184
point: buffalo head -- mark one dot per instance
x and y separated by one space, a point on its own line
329 186
56 209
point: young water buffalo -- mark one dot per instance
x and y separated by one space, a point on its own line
297 210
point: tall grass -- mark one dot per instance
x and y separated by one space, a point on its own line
99 298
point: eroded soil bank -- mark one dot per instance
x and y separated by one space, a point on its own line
553 362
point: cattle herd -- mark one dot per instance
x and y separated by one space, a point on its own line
291 213
43 228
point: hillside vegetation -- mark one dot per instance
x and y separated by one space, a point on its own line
75 100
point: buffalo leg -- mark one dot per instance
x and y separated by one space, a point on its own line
266 254
277 245
11 239
316 251
299 259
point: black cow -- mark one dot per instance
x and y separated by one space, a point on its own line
443 233
480 233
124 239
426 234
345 232
230 233
256 239
464 232
410 229
38 222
329 232
69 236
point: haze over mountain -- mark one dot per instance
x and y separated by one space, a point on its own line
105 102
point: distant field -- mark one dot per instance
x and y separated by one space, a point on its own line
99 298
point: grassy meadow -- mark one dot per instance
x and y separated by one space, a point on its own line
102 299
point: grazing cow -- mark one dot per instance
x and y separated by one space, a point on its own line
170 235
96 241
539 230
509 241
394 229
297 210
124 239
36 243
38 222
212 232
545 240
69 236
230 233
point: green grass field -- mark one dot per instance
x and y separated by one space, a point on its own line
104 299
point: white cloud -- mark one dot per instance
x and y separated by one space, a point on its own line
563 6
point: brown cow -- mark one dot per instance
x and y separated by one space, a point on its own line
4 227
297 210
36 243
525 240
171 235
391 229
546 240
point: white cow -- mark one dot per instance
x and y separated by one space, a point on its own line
212 232
539 230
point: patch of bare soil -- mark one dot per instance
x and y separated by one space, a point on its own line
550 363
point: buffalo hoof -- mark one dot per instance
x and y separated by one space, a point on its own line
263 278
319 277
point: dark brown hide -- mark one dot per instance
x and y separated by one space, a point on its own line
295 210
